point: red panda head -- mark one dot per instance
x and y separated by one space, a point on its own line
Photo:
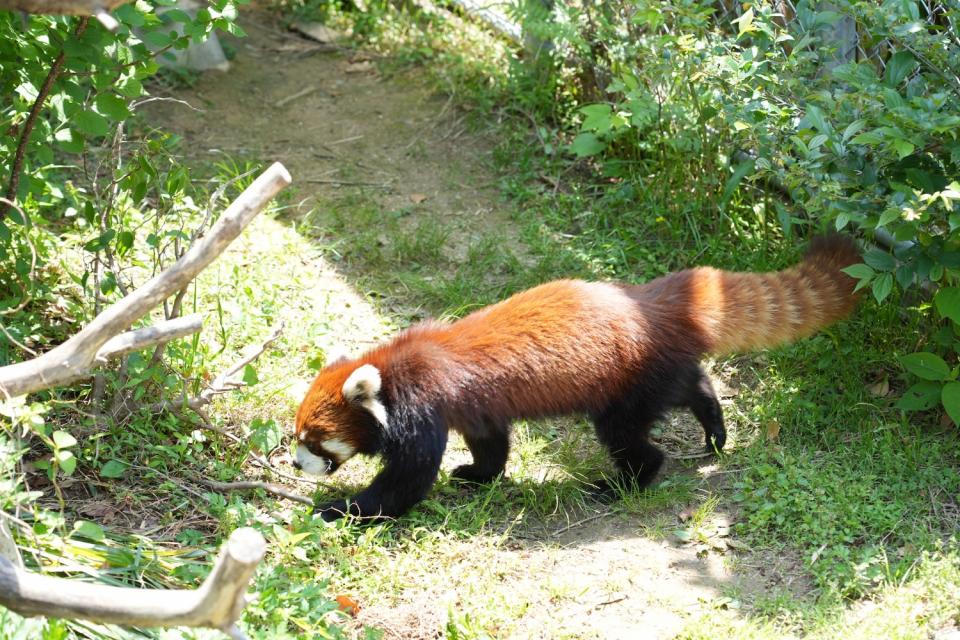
340 416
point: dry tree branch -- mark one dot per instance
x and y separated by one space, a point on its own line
216 604
77 356
160 333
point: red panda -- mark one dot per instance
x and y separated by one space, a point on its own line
621 354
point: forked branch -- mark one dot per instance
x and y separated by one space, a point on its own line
77 356
216 604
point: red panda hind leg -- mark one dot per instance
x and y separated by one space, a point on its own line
703 402
623 427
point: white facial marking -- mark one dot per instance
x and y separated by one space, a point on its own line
311 464
338 448
303 436
362 388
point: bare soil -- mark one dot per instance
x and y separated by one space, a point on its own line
601 576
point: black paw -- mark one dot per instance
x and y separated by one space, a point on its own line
331 511
473 473
715 441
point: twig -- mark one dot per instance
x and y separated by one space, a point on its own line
250 485
692 456
17 167
75 358
349 183
295 96
350 139
573 525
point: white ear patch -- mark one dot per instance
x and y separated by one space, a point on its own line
362 388
363 384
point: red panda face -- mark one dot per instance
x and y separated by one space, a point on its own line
338 417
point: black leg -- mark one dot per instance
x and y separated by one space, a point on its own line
623 429
702 400
411 463
490 450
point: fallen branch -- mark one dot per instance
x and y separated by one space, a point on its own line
250 485
77 356
216 604
160 333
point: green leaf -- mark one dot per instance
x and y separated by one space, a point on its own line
598 118
733 181
880 260
920 397
112 106
250 375
868 138
100 242
899 66
888 216
905 275
265 435
859 271
63 439
67 462
853 128
951 400
587 144
158 38
817 119
124 241
89 530
902 147
91 123
925 365
882 286
69 141
947 300
745 22
113 469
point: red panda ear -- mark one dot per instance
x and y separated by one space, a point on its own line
362 388
363 384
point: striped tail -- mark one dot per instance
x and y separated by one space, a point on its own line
746 311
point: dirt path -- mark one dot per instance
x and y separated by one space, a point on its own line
604 577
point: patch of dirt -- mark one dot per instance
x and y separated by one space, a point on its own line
337 125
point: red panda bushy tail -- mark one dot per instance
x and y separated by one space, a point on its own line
746 311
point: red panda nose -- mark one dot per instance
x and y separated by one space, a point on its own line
296 465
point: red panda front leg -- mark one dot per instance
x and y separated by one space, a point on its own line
490 446
412 450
